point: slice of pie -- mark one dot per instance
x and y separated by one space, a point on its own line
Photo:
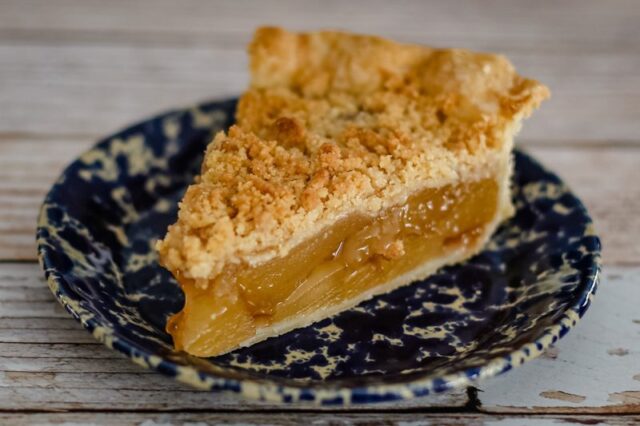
357 165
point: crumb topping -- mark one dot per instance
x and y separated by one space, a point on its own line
336 123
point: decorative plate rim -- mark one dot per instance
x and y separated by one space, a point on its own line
323 394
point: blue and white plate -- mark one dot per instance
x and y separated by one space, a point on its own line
528 288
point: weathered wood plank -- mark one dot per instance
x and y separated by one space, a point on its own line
22 189
593 368
24 180
603 178
42 348
72 71
31 310
95 89
106 87
567 25
107 362
334 419
53 351
84 85
42 330
596 368
34 391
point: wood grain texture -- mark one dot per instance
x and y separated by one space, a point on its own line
566 25
95 89
74 71
593 370
49 362
89 69
317 419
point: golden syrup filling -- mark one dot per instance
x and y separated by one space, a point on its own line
351 258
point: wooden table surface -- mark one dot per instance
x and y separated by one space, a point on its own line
72 71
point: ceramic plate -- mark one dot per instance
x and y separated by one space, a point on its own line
97 228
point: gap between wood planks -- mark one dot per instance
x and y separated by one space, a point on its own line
597 417
72 137
472 406
568 24
238 41
157 419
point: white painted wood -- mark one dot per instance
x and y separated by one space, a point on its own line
571 24
24 180
130 392
96 89
42 349
83 71
596 361
42 330
595 368
605 180
72 71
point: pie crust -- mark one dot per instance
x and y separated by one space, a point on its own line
337 126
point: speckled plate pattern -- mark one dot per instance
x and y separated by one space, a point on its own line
97 228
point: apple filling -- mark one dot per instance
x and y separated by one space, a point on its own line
346 263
